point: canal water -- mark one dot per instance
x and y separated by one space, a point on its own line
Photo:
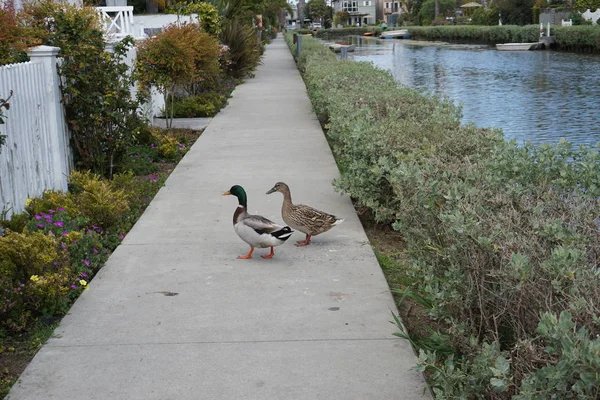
535 96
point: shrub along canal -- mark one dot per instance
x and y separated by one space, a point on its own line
536 96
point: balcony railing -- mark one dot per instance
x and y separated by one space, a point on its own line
118 21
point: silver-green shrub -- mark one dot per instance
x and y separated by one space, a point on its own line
500 239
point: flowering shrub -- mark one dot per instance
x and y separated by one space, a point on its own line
100 204
51 200
27 254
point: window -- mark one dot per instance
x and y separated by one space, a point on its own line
350 6
367 3
387 5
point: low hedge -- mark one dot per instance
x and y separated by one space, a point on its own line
329 34
500 241
579 38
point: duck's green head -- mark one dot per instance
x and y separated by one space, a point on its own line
239 192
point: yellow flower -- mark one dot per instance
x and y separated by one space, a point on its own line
34 278
83 282
28 201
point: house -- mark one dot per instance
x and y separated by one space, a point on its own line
389 11
360 12
290 19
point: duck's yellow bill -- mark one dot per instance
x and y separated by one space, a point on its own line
226 194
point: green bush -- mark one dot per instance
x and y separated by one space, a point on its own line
206 104
50 200
330 34
496 235
477 34
578 38
427 10
179 57
26 254
243 54
488 17
97 201
102 115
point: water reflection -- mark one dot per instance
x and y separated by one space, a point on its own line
536 96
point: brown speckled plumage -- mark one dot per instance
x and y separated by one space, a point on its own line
304 218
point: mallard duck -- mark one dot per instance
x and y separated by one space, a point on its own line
303 218
256 230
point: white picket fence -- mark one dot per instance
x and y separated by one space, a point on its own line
36 155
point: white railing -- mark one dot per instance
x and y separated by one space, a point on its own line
592 16
36 156
118 21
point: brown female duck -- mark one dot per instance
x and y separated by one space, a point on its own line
304 218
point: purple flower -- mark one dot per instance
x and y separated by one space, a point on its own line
51 211
121 236
152 146
94 227
59 224
84 274
95 250
65 233
40 226
162 161
64 246
73 286
38 217
86 262
60 209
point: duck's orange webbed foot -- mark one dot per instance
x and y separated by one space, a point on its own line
270 255
247 256
304 242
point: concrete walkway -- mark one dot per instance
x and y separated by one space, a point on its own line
175 316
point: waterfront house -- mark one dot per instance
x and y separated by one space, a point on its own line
360 12
390 11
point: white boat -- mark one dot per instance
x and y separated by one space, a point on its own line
399 34
519 46
336 47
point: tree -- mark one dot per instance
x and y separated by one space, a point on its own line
583 5
413 7
485 17
273 9
317 9
516 12
427 11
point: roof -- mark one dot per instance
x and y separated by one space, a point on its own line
471 4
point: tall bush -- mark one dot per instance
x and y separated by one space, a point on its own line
180 55
208 16
500 240
101 113
242 41
14 38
